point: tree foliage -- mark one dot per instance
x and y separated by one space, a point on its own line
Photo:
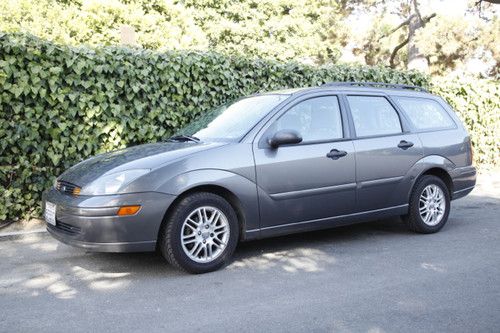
447 41
281 30
310 30
450 42
159 25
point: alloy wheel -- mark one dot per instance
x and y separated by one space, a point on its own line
432 205
205 234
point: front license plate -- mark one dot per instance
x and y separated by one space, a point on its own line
50 213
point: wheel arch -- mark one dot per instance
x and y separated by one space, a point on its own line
434 165
441 174
239 190
219 190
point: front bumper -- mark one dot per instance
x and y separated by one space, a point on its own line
90 222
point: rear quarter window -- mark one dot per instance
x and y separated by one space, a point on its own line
424 113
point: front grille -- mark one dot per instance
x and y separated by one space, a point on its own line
68 188
68 228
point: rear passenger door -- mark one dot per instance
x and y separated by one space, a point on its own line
385 152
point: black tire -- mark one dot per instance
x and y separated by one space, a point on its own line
170 234
413 219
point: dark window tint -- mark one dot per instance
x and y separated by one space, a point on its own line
315 119
425 113
373 115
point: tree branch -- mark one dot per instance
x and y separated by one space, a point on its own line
428 18
406 22
396 50
402 24
415 6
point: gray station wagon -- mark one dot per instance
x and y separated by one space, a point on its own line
266 165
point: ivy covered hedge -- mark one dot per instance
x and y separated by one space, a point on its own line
59 105
477 103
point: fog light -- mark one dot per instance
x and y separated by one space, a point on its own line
128 210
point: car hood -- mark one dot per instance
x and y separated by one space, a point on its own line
148 156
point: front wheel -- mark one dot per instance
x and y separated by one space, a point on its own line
429 205
200 234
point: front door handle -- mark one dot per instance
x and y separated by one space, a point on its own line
403 144
335 154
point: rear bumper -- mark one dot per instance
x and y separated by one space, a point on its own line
464 181
91 222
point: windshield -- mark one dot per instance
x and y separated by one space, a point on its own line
230 122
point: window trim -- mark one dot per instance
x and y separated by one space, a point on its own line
346 130
435 129
403 122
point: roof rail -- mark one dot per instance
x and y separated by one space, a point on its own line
375 85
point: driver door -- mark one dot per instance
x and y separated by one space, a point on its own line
299 183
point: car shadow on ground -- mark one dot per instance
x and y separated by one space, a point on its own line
40 265
251 251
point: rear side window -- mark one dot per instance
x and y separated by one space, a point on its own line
425 114
373 115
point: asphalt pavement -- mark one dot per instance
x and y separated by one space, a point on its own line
372 277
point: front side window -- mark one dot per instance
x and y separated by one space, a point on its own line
373 115
316 119
425 114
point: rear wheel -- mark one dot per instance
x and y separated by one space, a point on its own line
200 234
429 205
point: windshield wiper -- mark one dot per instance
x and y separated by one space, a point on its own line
183 138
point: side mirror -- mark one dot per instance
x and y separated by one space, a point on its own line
284 137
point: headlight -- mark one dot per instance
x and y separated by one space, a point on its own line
112 183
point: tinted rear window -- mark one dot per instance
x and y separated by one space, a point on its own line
425 114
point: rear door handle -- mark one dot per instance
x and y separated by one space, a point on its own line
403 144
335 154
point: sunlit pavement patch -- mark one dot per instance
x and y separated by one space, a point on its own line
20 234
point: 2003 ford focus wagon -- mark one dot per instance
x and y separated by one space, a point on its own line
266 165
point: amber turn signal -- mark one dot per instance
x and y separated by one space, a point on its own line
128 210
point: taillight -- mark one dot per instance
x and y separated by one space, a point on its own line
471 152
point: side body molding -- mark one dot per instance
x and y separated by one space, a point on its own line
243 188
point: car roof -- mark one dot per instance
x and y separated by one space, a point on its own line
351 87
289 91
